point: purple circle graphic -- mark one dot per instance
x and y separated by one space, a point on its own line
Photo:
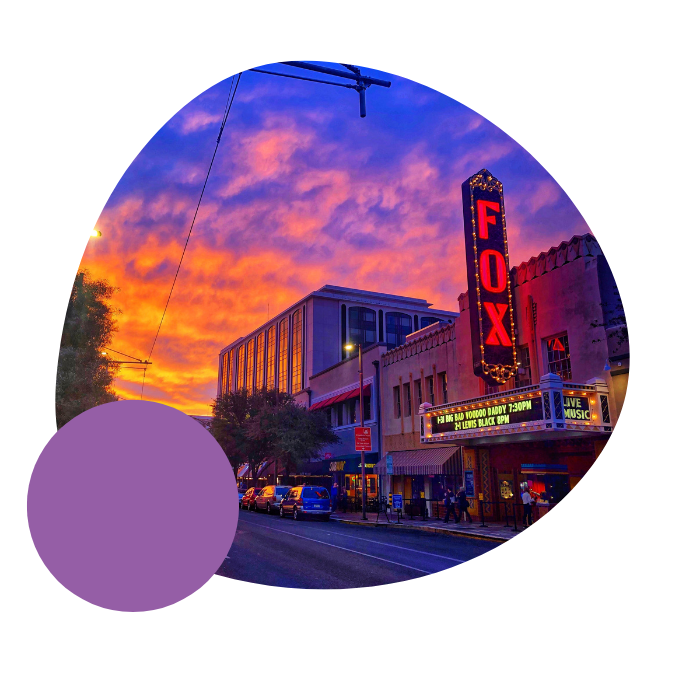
132 506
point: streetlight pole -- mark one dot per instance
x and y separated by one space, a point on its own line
364 486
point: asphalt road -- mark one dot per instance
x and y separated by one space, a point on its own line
315 554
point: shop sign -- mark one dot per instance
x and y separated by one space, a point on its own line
577 408
397 502
337 466
493 338
542 468
390 465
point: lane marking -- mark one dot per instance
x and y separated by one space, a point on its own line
342 548
381 543
403 548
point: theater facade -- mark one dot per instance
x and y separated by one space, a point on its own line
524 386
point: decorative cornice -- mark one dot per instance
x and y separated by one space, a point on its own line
579 246
422 344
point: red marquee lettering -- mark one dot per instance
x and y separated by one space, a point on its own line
483 219
498 334
486 277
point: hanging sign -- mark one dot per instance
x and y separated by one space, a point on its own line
362 439
493 337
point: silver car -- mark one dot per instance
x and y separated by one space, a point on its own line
269 497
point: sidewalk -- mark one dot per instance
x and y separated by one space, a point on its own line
537 534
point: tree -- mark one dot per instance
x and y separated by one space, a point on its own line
85 376
268 425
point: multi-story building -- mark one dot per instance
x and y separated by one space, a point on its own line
302 351
445 427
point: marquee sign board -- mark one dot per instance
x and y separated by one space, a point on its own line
507 412
493 337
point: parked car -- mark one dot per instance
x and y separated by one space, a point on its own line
268 498
247 500
306 500
241 492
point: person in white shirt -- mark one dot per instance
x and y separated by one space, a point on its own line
527 506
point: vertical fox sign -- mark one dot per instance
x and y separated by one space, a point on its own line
487 261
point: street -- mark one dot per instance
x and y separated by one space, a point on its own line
315 554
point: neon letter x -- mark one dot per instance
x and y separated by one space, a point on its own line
498 334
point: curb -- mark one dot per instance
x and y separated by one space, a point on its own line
426 528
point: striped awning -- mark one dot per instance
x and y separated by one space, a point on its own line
352 393
426 462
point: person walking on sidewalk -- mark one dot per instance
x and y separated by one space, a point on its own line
527 506
449 503
334 497
463 505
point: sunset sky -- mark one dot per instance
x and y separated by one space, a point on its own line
303 193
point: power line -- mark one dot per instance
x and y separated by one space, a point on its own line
226 114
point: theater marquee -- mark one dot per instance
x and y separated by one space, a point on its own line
487 258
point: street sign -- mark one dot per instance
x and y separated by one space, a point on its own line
397 502
390 465
362 439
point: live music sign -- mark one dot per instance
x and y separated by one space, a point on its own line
493 338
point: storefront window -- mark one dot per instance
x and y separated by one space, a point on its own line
418 393
553 486
558 351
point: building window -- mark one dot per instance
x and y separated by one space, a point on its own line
444 385
339 414
428 321
430 388
271 355
241 373
283 355
418 393
351 411
398 326
524 372
250 360
407 401
492 389
225 381
329 416
417 323
260 362
397 402
296 356
558 351
366 408
362 326
380 323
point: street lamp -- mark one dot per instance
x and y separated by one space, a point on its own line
96 233
364 486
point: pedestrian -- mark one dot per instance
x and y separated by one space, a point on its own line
463 505
527 505
334 497
449 503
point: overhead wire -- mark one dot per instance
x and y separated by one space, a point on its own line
226 114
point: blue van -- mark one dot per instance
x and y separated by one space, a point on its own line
304 500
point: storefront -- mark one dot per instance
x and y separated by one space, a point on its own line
421 474
545 437
346 472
